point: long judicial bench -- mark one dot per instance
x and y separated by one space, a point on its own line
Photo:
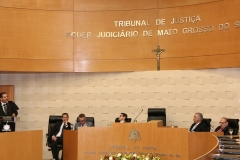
141 138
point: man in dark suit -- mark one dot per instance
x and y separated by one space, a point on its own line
223 126
198 125
7 108
57 134
122 118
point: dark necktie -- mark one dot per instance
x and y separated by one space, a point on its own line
5 108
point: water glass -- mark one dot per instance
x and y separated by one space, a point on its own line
230 131
212 128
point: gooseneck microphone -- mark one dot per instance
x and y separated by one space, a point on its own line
135 120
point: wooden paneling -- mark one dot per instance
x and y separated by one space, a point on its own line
27 65
35 34
201 44
217 61
177 3
21 145
35 4
9 89
115 65
106 5
71 141
113 48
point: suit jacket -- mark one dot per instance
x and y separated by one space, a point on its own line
88 124
57 127
225 130
201 127
11 108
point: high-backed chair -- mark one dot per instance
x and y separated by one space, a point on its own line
208 123
233 123
157 114
88 119
52 121
127 120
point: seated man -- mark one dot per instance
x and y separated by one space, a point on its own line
122 118
198 125
57 134
82 122
223 126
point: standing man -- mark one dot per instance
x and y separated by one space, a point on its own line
223 126
7 108
57 134
198 125
82 122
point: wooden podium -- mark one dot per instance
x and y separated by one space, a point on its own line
22 145
141 138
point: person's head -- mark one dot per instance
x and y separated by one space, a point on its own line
223 122
122 117
4 97
82 118
198 117
65 117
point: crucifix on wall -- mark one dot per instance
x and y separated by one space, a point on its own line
157 52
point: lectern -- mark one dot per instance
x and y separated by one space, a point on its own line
9 121
141 138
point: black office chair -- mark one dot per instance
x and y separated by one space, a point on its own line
208 123
157 114
127 120
88 119
52 121
233 123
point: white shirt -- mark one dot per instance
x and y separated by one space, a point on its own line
60 131
3 106
194 126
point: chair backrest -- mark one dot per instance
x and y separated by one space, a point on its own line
157 114
233 123
51 122
208 123
127 120
88 119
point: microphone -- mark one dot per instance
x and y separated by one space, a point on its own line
137 116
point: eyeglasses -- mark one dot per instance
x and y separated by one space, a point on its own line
222 122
